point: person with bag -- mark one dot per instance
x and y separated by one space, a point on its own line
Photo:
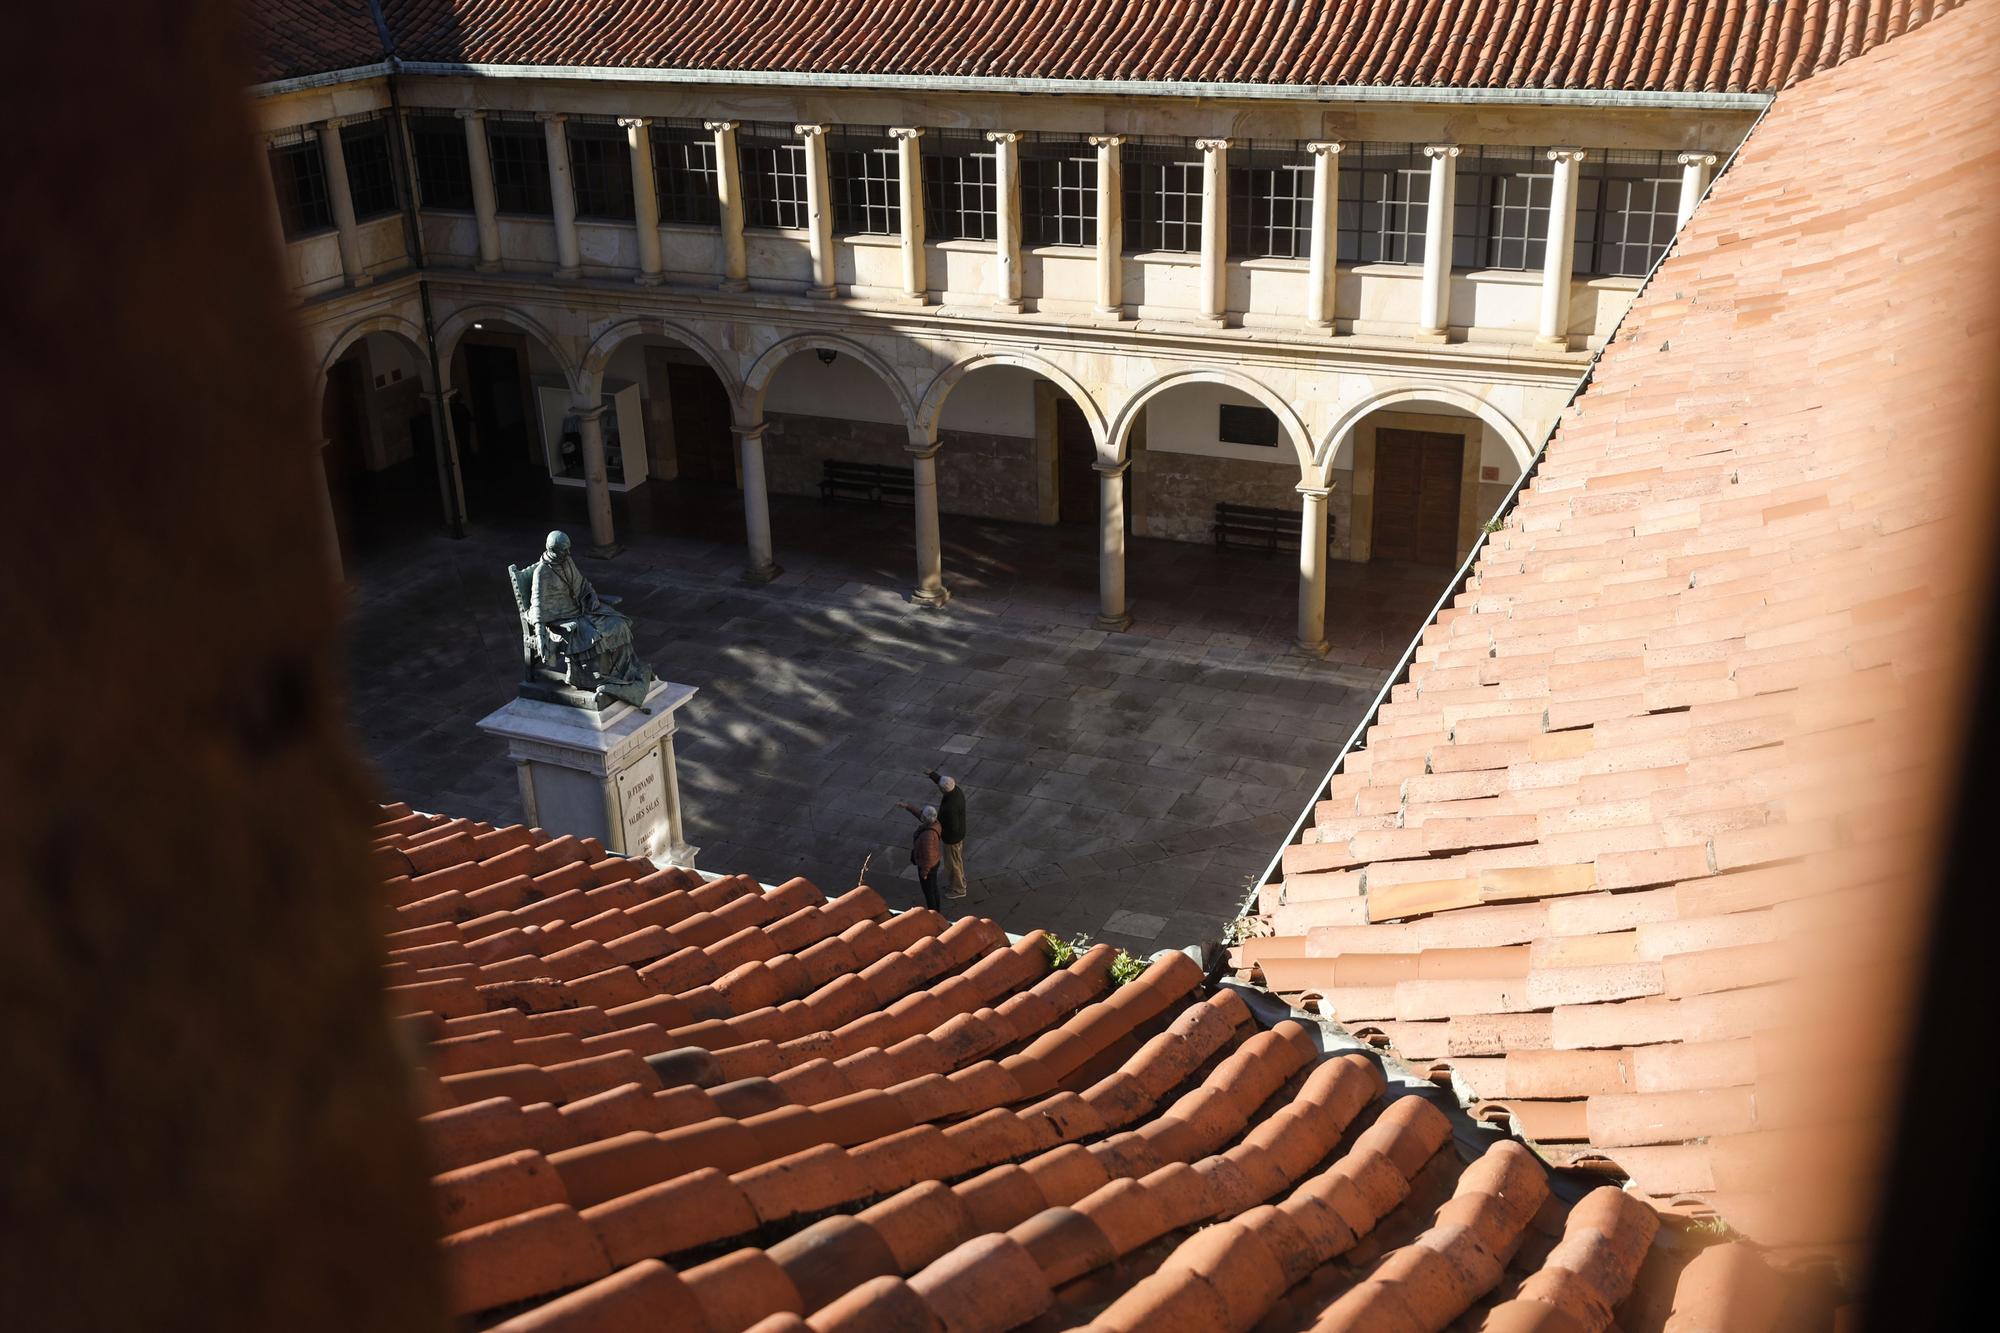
926 852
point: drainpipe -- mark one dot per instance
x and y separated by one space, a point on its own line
451 479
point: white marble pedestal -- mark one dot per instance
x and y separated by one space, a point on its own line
607 775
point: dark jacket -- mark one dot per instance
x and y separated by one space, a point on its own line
924 852
951 813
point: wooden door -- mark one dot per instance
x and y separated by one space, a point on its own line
703 446
1416 495
1076 453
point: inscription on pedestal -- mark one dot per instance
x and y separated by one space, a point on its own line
642 803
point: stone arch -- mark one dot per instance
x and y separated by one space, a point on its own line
590 376
1339 437
453 329
930 411
758 378
394 325
1120 436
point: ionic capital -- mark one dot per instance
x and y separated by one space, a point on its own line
552 117
1002 136
1569 155
720 126
634 122
1211 145
1697 158
1438 152
809 131
1327 148
907 134
1107 140
334 122
473 113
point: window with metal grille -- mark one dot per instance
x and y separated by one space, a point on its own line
1627 204
1058 192
1385 192
1162 198
444 170
1503 208
866 184
1237 424
600 170
1270 202
520 156
774 180
684 174
298 172
371 171
960 188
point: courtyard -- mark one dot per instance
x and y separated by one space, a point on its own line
1126 786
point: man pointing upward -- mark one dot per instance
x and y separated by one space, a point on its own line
951 829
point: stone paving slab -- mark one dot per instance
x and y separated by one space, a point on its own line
1124 786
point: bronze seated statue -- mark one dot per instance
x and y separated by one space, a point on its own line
575 648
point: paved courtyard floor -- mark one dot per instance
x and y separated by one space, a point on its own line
1128 786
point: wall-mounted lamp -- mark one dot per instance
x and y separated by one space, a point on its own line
825 355
478 326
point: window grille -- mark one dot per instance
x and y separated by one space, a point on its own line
371 171
444 169
1270 202
1503 213
1626 208
520 156
600 170
1058 192
1162 198
774 178
1385 194
961 194
298 172
684 174
867 181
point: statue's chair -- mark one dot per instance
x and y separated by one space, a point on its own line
544 659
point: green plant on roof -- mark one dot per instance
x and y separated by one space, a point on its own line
1492 525
1063 952
1126 968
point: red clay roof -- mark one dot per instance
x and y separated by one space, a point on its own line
1655 757
289 38
1655 45
659 1101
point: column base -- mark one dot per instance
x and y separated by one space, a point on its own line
569 273
1560 344
1111 312
911 298
1010 307
1432 335
360 280
1117 624
606 551
1210 321
1315 649
762 574
733 285
487 266
932 598
1324 327
649 279
821 293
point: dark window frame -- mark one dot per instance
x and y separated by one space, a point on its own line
1270 202
371 169
1058 193
298 175
1384 204
518 151
961 188
600 171
774 171
1163 189
1503 200
443 163
685 176
865 172
1609 186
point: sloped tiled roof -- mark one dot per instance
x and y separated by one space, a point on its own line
1666 743
1655 45
660 1101
289 38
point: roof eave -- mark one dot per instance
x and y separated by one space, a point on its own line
306 82
1386 93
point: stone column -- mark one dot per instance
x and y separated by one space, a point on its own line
1214 228
729 203
819 210
1695 167
333 154
1559 251
1110 225
910 206
562 195
1312 570
1435 315
485 203
451 471
1111 611
930 542
1325 253
596 482
1007 219
645 199
756 502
